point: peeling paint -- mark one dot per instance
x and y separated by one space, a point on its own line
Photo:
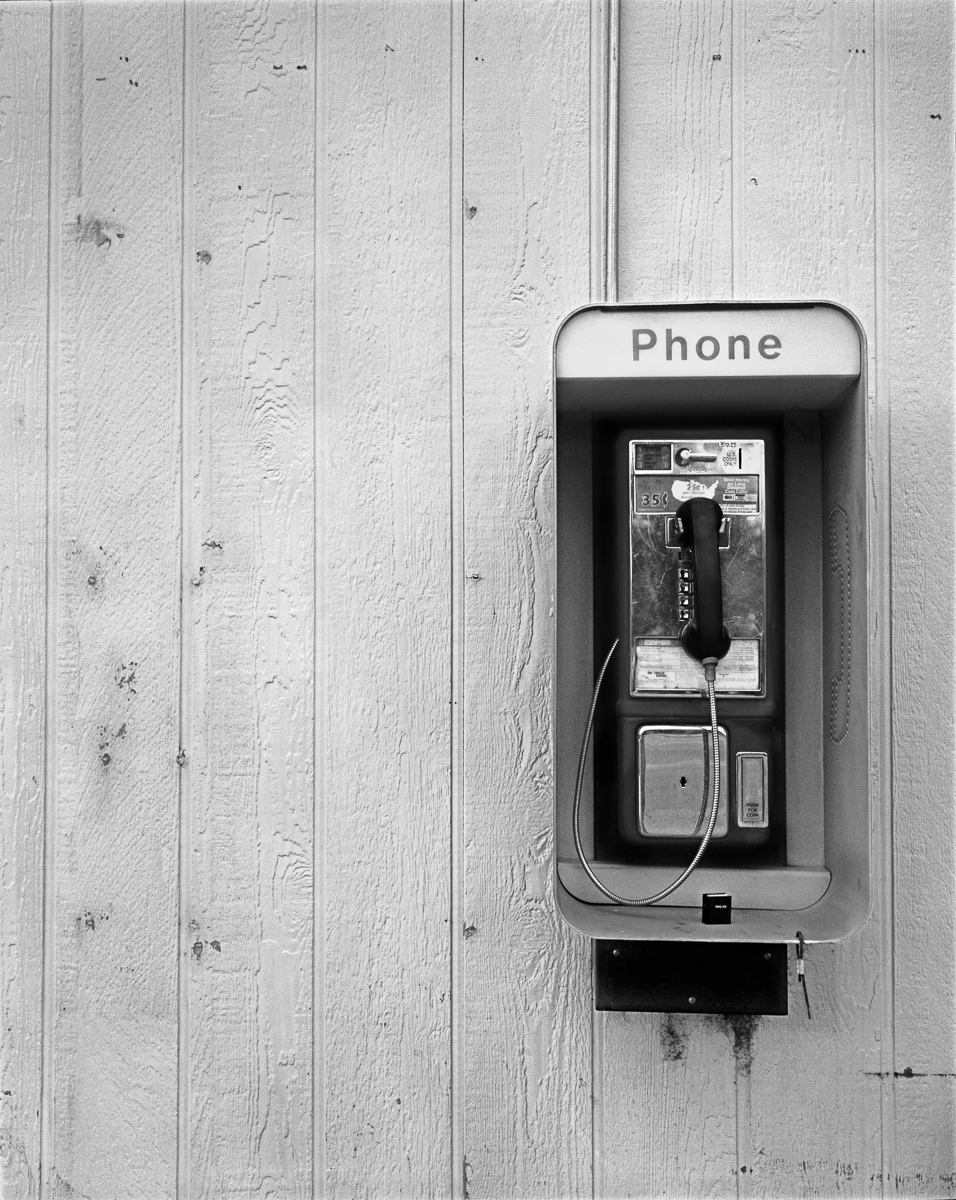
94 230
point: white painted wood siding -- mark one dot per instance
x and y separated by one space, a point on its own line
279 283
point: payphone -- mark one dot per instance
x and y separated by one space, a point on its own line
712 730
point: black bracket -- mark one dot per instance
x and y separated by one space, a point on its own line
689 977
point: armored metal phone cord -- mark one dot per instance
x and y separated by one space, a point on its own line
710 672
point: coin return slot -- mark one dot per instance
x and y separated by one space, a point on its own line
675 781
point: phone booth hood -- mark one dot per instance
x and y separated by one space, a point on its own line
794 375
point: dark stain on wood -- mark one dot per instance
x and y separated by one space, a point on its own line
106 741
88 919
94 229
909 1073
742 1026
126 677
673 1037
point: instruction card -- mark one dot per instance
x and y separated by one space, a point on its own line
661 665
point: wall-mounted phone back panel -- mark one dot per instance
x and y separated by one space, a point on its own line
761 409
660 724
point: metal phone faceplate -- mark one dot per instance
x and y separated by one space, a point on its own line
662 474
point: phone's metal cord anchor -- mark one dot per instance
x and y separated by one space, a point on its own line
710 675
802 969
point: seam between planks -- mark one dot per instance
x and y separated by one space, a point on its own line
884 763
320 632
47 988
738 144
743 1148
604 68
185 680
458 1182
612 80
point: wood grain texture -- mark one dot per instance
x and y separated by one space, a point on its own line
676 243
670 1087
805 230
526 1108
804 168
24 197
384 716
675 193
246 1116
812 158
115 295
800 187
915 268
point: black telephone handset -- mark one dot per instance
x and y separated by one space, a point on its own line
706 637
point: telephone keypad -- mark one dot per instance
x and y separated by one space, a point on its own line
685 591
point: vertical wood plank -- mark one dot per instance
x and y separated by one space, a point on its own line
805 230
116 431
675 192
248 600
669 1095
669 1083
24 198
804 169
526 1074
799 192
916 377
384 716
